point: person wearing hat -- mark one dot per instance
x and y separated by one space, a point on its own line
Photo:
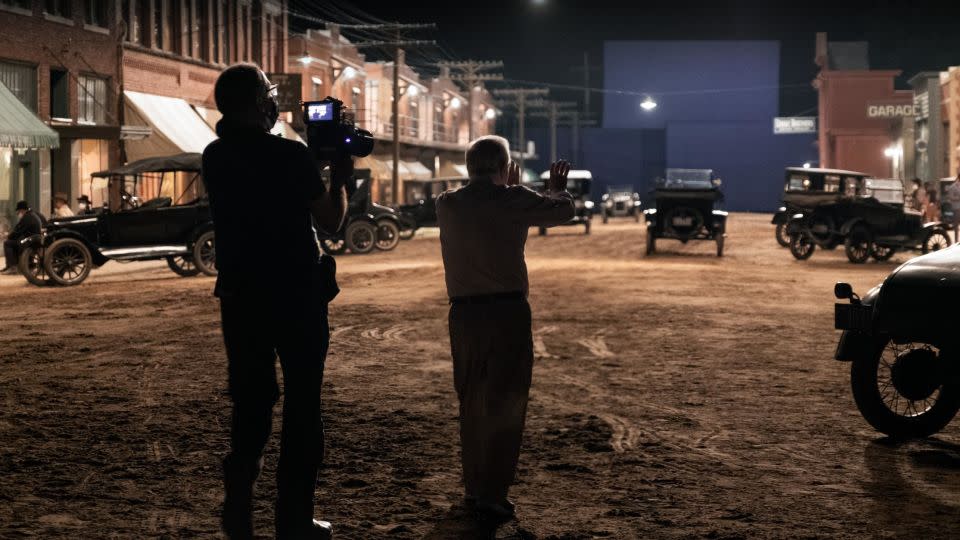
61 208
30 223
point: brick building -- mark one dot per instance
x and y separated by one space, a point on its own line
60 60
860 112
950 101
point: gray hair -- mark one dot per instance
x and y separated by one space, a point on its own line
487 156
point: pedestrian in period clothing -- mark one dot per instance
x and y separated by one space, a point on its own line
61 208
275 307
931 206
30 222
916 194
483 230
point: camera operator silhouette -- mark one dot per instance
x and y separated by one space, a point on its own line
483 230
273 306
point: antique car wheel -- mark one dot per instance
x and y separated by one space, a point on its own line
859 244
899 391
802 246
334 246
30 265
182 265
407 234
67 261
935 241
361 237
782 237
388 235
205 253
883 253
651 241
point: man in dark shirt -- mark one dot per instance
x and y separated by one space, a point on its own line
265 193
30 223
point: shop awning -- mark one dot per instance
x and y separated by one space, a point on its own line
177 128
417 170
20 128
378 169
452 169
282 128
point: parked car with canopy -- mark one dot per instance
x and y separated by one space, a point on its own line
367 225
687 207
420 209
578 185
805 188
620 201
149 214
871 220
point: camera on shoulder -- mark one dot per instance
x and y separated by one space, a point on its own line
332 130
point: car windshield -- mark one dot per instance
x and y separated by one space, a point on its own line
689 179
620 190
576 187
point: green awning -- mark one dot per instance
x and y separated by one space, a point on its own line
20 128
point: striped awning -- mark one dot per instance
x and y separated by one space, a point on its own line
20 128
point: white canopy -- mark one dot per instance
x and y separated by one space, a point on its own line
176 126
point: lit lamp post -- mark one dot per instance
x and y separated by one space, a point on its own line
648 104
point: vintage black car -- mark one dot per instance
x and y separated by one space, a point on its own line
687 207
902 342
806 188
578 185
367 226
620 201
179 231
421 199
870 219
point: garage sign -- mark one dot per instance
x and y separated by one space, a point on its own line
891 110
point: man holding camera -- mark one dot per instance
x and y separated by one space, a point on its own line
483 230
274 307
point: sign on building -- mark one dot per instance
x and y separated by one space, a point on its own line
789 125
289 90
890 110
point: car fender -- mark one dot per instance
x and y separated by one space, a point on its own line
33 241
849 224
796 224
936 225
56 234
197 231
854 344
780 216
390 217
650 215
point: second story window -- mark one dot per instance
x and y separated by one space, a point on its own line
59 8
59 94
92 103
159 18
21 80
95 13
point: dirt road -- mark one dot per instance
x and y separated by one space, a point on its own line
678 395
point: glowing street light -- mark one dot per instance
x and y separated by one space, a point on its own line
806 165
455 103
490 114
305 59
648 104
349 72
891 151
412 90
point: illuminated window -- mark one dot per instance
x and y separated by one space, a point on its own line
92 103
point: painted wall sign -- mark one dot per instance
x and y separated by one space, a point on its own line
786 125
891 110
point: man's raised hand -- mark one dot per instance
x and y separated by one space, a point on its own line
513 174
558 175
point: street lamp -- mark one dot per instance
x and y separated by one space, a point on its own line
890 151
412 90
455 103
806 165
490 114
349 72
305 59
648 104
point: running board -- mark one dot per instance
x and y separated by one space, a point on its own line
143 252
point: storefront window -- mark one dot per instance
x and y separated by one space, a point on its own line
18 181
94 156
92 96
831 183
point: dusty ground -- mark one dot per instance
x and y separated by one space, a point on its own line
678 395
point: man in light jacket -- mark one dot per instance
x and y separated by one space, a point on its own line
483 230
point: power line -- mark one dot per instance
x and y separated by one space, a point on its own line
642 93
521 98
471 73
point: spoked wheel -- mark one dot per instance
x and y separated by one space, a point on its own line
782 237
901 389
936 240
205 253
67 261
651 241
802 246
334 246
882 253
361 237
30 265
388 235
859 244
183 265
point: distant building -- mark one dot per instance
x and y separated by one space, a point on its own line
950 83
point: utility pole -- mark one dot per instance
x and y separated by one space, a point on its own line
586 69
398 57
470 74
520 97
553 113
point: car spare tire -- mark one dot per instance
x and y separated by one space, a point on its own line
683 221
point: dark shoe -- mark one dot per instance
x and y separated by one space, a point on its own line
502 510
239 478
318 530
10 271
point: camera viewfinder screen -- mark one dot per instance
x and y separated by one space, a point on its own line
320 112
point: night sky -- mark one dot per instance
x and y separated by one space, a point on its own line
541 41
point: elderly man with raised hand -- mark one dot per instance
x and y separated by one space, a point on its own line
483 230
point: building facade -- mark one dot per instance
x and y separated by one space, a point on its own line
950 103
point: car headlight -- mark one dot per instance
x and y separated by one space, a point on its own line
588 205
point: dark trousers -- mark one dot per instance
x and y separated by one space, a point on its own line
11 251
492 349
255 332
